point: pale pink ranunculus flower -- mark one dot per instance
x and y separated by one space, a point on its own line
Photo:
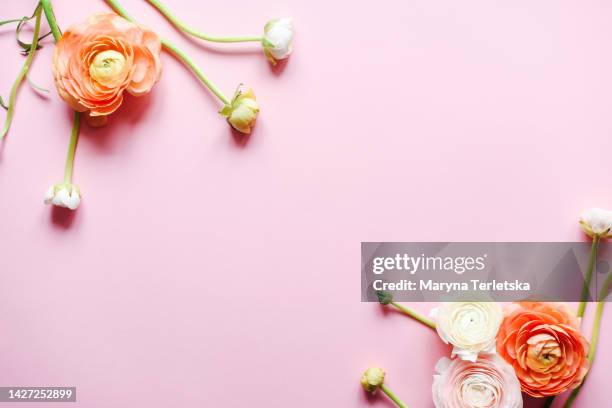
488 382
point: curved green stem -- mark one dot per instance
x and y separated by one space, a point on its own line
393 397
74 137
196 70
594 336
415 315
12 20
22 74
180 54
587 279
57 34
120 10
192 31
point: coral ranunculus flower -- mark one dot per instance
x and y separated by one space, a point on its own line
95 61
542 341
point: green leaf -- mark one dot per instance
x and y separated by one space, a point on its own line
26 46
22 74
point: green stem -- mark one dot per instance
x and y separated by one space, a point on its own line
192 31
197 71
46 4
22 74
594 336
549 402
393 397
598 315
587 279
179 54
74 137
12 20
415 315
76 121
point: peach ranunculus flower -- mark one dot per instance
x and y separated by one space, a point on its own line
544 344
96 60
488 382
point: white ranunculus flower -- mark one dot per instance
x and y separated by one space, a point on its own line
470 327
596 221
63 195
278 39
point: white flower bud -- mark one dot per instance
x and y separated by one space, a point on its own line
278 39
63 195
596 221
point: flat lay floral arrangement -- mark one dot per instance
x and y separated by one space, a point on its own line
98 60
500 353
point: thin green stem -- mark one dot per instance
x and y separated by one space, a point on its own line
598 315
594 336
549 401
196 70
180 54
587 279
12 20
76 121
22 74
192 31
46 4
74 137
393 397
415 315
120 10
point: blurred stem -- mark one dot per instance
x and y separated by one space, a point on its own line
587 279
192 31
594 336
393 397
549 402
74 137
46 4
22 74
415 315
180 54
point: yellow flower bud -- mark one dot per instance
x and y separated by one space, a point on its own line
108 68
242 112
372 378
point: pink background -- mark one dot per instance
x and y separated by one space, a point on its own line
203 269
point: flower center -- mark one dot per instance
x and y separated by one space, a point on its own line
107 68
477 392
543 355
